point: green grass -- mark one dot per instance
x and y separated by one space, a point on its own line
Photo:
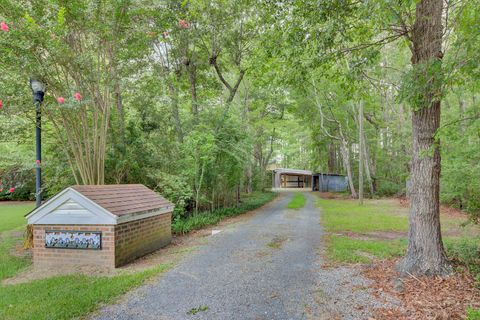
10 264
297 202
465 252
198 309
347 215
343 249
202 219
12 223
12 215
473 314
66 297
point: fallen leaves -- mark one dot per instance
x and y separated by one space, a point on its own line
429 298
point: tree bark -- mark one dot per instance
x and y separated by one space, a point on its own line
332 155
462 110
346 163
368 169
361 147
425 253
192 78
249 178
175 114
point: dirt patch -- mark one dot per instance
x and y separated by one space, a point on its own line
422 297
332 195
9 203
277 242
292 214
374 235
19 251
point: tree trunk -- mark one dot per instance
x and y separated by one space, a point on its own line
425 253
368 170
249 178
238 194
360 159
462 110
346 163
121 114
175 114
192 78
331 157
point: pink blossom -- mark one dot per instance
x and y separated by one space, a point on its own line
11 190
4 26
1 190
183 24
61 100
1 104
77 96
38 162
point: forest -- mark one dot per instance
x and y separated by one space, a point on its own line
195 99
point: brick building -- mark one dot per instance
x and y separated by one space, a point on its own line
104 226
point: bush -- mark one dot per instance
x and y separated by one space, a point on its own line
388 188
183 225
22 179
465 252
175 188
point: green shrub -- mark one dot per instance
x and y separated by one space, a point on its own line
181 225
175 188
465 252
388 188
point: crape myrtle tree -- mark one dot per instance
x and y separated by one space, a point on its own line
73 48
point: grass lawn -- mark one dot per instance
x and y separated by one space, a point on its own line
348 215
11 234
357 233
297 202
12 216
345 249
62 297
66 297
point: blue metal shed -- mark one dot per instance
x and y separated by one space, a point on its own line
329 182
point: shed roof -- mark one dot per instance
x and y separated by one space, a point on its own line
104 204
293 171
328 174
122 199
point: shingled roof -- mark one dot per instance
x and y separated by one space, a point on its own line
123 199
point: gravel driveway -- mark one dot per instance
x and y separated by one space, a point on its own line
268 267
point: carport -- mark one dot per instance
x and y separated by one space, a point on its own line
291 178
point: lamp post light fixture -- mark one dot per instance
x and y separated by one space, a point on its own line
38 91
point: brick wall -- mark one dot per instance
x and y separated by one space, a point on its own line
50 257
136 238
121 244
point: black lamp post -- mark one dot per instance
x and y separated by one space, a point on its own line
38 91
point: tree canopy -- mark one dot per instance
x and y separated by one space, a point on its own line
197 98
